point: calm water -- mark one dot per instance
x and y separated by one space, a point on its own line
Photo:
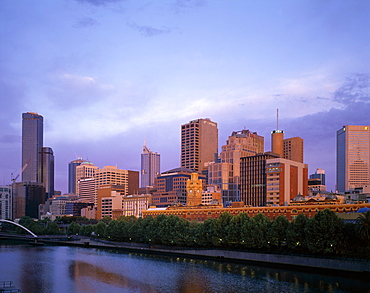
70 269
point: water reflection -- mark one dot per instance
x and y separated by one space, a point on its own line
70 269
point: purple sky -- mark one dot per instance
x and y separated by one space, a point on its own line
108 74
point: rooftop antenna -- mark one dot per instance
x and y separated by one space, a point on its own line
277 118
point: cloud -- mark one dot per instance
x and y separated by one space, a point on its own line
86 22
355 89
182 5
99 2
69 91
149 31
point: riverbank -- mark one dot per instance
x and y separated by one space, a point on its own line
355 267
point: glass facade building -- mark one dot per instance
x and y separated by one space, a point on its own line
150 167
353 157
32 143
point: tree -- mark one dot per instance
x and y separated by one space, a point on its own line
254 233
277 232
99 229
73 228
296 236
52 229
324 233
363 227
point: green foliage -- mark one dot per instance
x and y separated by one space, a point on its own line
99 229
73 228
277 233
254 234
324 233
52 229
363 227
296 236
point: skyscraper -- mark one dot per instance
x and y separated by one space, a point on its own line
72 174
353 157
199 144
150 166
293 149
32 143
48 171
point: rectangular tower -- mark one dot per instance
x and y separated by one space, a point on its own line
199 144
32 143
150 166
353 157
293 149
48 171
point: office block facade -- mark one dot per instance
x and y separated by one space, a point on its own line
199 144
170 187
285 179
293 149
353 157
6 202
32 144
253 179
150 167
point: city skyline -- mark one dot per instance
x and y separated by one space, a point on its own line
107 74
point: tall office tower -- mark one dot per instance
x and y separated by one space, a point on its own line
83 171
240 144
353 157
27 196
319 174
253 179
48 171
86 189
293 149
72 174
150 166
32 143
199 144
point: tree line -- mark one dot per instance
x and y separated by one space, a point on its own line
324 234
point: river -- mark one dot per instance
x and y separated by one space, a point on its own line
43 269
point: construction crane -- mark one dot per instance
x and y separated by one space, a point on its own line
24 167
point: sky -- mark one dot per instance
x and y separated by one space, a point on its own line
108 74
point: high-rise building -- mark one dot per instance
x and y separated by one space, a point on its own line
72 189
32 143
353 157
240 144
150 167
253 179
277 142
285 179
27 196
111 175
48 171
289 148
293 149
199 144
86 170
6 197
319 174
170 187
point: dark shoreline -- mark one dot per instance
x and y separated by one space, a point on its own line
353 268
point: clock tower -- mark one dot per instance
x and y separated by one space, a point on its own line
194 190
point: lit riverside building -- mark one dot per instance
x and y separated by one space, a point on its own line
199 144
353 157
